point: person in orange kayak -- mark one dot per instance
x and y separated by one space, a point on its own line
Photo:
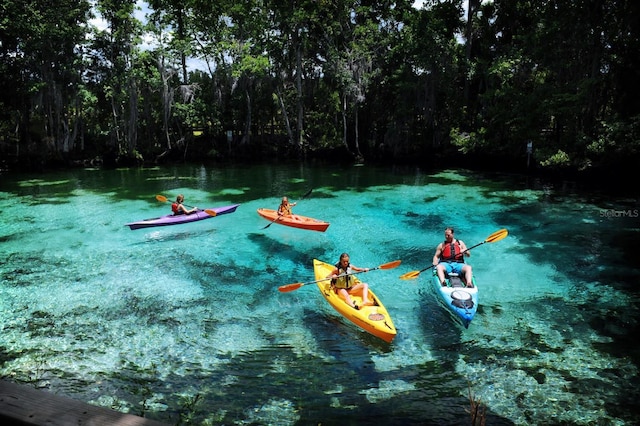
178 208
346 284
449 258
284 209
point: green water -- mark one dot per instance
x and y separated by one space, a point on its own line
184 324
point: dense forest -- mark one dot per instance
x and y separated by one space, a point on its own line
546 84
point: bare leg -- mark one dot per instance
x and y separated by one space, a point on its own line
468 275
440 270
365 295
347 298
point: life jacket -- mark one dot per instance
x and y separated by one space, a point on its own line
451 252
174 209
347 281
285 211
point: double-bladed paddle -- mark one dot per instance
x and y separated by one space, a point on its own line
164 199
290 287
278 218
496 236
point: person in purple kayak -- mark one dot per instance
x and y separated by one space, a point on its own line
178 208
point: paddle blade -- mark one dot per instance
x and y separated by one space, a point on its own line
161 198
289 287
410 275
307 194
210 212
497 236
390 265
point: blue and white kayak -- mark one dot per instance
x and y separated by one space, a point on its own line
461 300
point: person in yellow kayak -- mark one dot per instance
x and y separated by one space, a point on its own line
449 257
346 284
178 208
284 209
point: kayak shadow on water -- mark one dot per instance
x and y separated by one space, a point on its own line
339 337
439 326
273 247
158 235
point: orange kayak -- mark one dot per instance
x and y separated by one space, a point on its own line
295 220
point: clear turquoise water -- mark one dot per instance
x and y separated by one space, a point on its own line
184 324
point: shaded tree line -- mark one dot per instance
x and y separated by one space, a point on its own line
363 80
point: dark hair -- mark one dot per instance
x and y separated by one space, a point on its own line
339 264
450 228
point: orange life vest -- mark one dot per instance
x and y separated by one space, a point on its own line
451 252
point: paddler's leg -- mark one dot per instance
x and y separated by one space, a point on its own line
365 295
440 269
344 294
468 275
363 290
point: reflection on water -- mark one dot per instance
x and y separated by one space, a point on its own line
185 323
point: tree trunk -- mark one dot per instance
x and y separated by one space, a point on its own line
471 11
285 116
115 132
300 99
167 97
357 133
132 125
247 126
344 120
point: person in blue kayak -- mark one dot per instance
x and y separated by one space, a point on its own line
449 258
284 209
346 284
178 208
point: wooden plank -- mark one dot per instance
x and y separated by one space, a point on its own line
24 405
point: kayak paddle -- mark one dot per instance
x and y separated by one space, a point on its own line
278 218
496 236
290 287
164 199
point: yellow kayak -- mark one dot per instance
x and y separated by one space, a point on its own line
373 319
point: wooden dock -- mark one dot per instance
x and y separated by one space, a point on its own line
24 405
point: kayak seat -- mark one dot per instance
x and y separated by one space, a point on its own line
455 281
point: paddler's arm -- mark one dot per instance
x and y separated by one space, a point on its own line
463 247
436 256
185 211
333 274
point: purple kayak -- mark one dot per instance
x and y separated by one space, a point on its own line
172 219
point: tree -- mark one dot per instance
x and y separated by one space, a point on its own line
42 46
114 54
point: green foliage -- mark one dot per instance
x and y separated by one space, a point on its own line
618 135
468 143
558 160
317 74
